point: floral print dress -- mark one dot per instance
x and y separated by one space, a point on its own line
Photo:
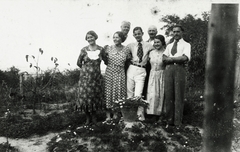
90 92
115 75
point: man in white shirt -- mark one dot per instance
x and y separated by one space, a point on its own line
125 28
136 72
152 32
175 56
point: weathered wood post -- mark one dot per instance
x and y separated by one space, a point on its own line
220 73
21 83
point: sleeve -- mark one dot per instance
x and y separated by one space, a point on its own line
105 54
128 59
128 54
150 55
166 52
129 46
151 47
80 58
187 51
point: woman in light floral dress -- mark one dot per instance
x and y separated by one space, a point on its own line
155 91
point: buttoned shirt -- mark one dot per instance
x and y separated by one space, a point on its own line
150 41
183 48
147 47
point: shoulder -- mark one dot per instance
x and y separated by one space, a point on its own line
146 43
84 49
184 42
131 45
99 48
126 48
152 51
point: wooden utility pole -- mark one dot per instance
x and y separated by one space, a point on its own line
220 74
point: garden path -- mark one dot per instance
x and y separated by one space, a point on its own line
32 144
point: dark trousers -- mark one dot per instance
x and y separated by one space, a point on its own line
174 89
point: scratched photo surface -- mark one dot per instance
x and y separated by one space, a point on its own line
58 27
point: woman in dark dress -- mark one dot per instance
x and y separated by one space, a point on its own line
90 93
115 76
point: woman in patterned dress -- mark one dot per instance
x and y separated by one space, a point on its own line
90 90
155 92
115 76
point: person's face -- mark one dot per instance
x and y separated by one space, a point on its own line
91 39
152 33
125 29
157 44
177 33
138 35
116 39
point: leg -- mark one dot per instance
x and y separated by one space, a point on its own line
87 118
139 83
169 94
130 87
139 79
94 119
108 115
179 94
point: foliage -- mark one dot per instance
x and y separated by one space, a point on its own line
71 77
6 147
38 83
195 32
116 138
127 103
17 127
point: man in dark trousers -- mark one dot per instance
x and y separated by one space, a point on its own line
175 56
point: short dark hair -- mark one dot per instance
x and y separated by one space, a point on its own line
121 35
161 38
180 26
91 33
137 28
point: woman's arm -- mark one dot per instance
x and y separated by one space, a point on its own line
80 59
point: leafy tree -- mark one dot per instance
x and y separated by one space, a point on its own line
196 34
10 76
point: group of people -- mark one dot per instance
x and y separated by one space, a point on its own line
149 68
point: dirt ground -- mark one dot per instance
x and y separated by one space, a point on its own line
33 144
39 143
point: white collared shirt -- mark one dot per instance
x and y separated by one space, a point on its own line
183 48
147 47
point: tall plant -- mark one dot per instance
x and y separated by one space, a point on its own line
39 84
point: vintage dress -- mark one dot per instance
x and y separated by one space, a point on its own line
90 95
115 75
155 91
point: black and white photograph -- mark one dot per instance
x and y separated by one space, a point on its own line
119 76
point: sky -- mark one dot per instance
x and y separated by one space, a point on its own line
59 27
